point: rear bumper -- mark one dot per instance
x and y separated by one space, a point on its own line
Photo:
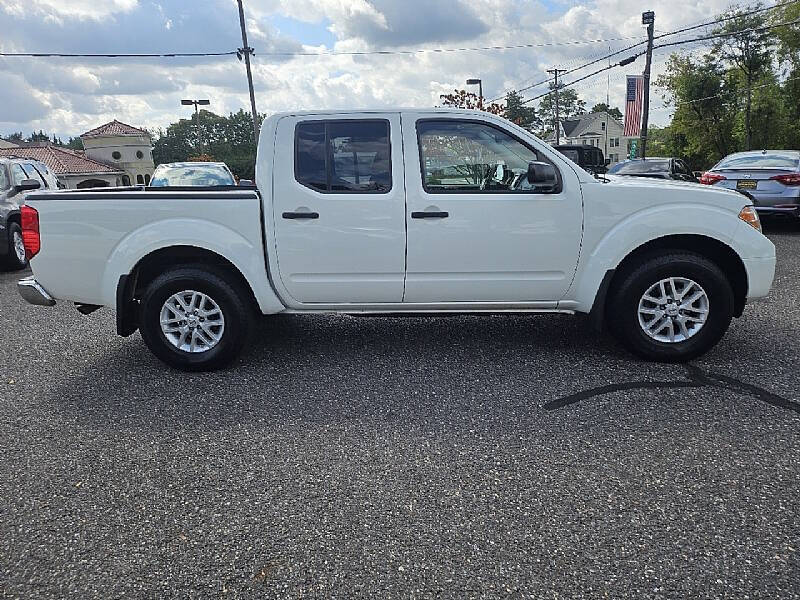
782 209
760 273
34 293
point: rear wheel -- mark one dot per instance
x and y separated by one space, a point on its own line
671 308
195 319
15 258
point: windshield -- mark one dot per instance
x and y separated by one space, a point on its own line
194 175
774 160
640 166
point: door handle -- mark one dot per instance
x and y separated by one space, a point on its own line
300 215
430 214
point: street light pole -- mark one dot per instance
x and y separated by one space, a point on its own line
197 120
479 83
648 18
246 51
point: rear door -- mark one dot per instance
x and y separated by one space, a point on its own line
477 231
339 208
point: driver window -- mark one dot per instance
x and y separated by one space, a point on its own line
464 156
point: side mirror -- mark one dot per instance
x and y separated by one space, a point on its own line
247 183
542 172
27 185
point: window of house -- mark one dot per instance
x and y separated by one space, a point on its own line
140 180
139 154
462 156
603 126
344 156
147 179
116 155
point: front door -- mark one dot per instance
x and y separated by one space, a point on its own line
339 209
477 230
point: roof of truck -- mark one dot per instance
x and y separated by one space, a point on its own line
339 111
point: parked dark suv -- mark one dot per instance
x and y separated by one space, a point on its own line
18 176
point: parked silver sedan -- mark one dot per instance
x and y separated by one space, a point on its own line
770 177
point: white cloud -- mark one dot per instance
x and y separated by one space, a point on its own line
68 97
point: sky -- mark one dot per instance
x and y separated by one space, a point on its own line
68 96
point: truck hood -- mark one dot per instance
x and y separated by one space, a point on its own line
681 190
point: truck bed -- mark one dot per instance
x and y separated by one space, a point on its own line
90 238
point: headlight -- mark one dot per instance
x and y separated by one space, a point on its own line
749 215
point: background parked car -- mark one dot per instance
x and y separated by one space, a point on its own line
656 167
589 158
192 174
770 177
18 176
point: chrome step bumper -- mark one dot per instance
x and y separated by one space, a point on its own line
34 293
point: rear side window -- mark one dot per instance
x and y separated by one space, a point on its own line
32 173
5 182
344 156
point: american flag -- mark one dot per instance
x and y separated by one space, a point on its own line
633 105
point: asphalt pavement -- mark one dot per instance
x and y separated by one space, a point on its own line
430 457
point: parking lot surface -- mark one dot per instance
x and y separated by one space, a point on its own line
448 457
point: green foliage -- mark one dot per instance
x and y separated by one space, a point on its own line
519 113
744 94
226 139
603 107
468 100
569 105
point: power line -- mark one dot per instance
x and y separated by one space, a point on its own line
728 18
630 59
663 35
728 34
300 54
122 55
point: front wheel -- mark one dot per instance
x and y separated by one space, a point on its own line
15 258
671 308
195 319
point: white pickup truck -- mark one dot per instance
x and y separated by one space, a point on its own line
401 211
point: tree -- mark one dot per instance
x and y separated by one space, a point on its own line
614 112
517 112
748 52
465 99
569 105
705 108
227 139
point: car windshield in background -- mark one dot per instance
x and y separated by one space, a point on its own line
789 162
640 166
200 175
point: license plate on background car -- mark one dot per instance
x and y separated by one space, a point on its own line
746 184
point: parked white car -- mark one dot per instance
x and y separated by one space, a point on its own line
402 211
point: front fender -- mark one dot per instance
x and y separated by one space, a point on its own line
612 246
245 255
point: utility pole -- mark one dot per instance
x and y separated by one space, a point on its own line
246 51
748 127
649 19
556 127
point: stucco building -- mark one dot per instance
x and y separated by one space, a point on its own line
121 147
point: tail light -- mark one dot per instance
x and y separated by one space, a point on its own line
708 178
788 179
30 231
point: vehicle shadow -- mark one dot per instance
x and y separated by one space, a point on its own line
337 368
416 370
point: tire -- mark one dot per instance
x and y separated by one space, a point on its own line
15 260
680 269
210 291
